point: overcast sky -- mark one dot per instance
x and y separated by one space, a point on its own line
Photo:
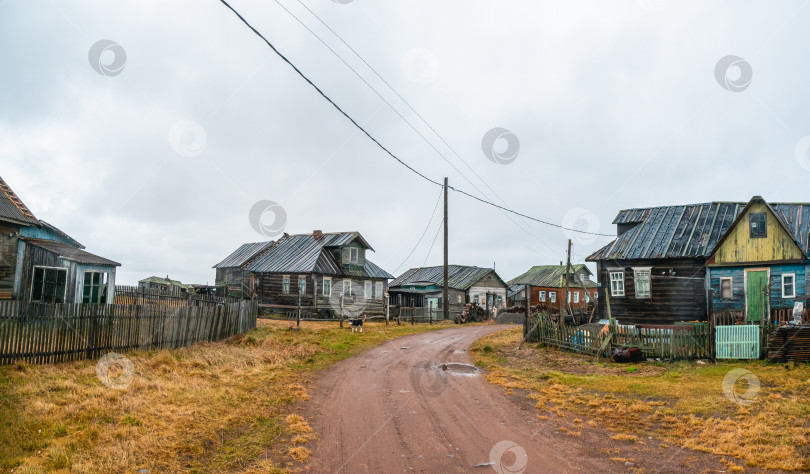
152 147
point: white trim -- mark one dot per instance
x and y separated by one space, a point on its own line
636 272
379 289
356 252
552 296
323 286
368 284
31 290
617 292
300 278
343 288
730 286
285 290
792 275
576 297
541 295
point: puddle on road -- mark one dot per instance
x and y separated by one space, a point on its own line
454 368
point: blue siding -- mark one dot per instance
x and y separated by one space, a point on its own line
44 233
737 301
775 294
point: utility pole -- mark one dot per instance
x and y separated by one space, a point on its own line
446 291
567 304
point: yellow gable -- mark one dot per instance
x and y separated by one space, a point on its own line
739 247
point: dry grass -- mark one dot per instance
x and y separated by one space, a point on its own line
210 407
682 403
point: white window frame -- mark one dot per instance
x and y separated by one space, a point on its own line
368 290
641 271
793 276
302 288
347 286
323 291
458 299
354 255
730 281
587 297
616 290
541 295
576 297
379 289
45 267
552 296
285 284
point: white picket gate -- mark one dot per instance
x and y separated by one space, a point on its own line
737 342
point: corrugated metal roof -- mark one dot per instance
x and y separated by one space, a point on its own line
71 253
459 277
552 276
244 253
303 253
691 231
15 212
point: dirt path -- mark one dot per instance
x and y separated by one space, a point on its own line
415 405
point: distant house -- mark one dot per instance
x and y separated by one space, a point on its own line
676 263
423 287
547 285
164 286
321 267
40 263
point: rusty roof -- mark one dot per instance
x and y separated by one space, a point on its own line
12 207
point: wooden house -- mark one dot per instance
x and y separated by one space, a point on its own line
760 264
321 267
547 285
423 288
40 263
164 286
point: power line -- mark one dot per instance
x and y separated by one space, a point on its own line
380 145
441 225
432 215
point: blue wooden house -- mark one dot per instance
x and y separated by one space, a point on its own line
759 266
40 263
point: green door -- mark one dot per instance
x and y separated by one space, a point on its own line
755 294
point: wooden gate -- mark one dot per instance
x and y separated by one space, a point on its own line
737 342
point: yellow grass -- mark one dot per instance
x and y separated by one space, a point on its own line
683 403
226 406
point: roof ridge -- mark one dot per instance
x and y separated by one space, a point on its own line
12 196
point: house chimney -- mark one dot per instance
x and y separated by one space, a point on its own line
317 234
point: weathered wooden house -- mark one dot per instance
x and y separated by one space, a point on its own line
164 286
678 263
40 263
423 288
547 285
321 267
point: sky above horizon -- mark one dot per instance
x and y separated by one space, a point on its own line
163 135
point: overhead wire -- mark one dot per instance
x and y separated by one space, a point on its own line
432 215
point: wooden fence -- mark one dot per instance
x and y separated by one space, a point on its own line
49 333
132 295
737 342
688 341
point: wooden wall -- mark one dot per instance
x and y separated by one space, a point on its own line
775 300
740 248
678 298
535 295
8 260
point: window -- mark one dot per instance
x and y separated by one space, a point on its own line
757 222
327 286
587 297
347 287
475 299
354 255
285 284
378 290
302 285
49 285
617 283
789 285
542 296
576 297
458 299
95 287
569 297
552 296
725 288
367 290
641 276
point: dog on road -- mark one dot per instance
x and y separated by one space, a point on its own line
357 324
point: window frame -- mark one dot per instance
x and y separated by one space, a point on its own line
44 269
302 288
576 297
458 299
751 222
285 284
615 291
541 295
792 275
642 271
730 281
324 285
103 286
368 289
345 287
354 255
379 289
552 296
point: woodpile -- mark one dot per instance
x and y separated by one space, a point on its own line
472 312
790 343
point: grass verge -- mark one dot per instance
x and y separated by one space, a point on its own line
683 403
207 408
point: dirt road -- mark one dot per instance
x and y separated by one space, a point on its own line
415 405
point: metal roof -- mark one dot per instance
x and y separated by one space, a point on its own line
691 231
164 281
12 208
304 253
57 231
552 276
71 253
244 253
459 277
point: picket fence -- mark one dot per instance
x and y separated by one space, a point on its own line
737 342
49 333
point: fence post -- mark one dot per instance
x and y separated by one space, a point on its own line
341 309
298 322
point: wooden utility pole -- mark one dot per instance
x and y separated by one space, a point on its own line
446 290
567 295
